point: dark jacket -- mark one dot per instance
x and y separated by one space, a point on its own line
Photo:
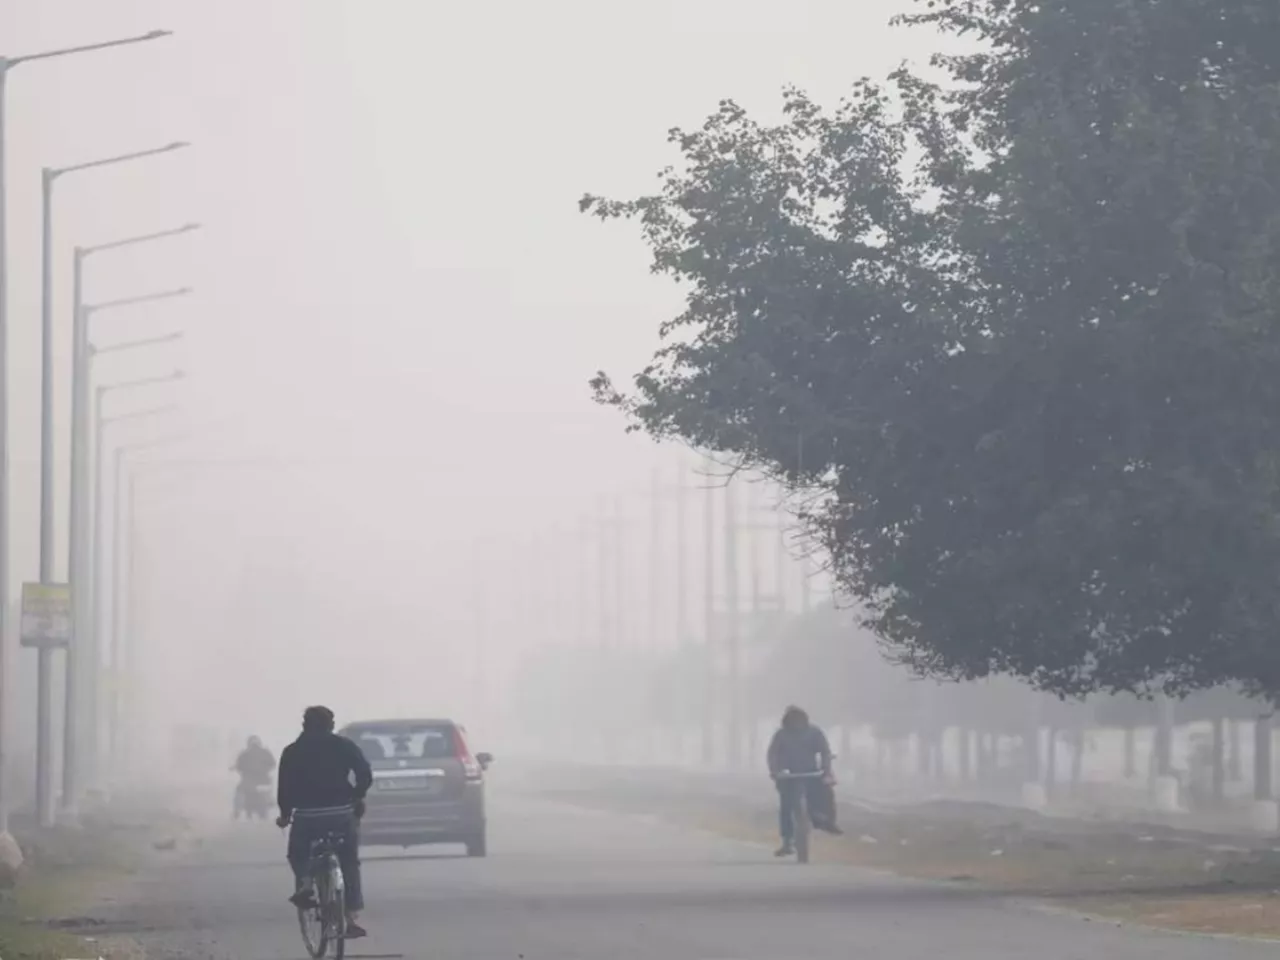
799 750
321 770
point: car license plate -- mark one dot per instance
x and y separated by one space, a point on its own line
401 783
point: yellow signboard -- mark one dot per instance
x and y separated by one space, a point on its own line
46 615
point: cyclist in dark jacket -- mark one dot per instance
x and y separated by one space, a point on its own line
322 784
800 747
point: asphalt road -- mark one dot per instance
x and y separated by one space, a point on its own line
561 884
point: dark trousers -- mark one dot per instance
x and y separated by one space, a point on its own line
789 793
308 829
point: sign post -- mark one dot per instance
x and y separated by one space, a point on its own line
46 626
46 615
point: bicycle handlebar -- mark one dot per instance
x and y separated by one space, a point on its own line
788 775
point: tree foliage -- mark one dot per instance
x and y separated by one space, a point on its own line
1019 329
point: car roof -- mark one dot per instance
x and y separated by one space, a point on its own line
400 722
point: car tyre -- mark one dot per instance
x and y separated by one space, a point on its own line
478 845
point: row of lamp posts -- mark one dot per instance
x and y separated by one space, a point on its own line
88 562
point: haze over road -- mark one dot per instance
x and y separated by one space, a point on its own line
562 883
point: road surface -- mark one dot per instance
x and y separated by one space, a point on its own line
562 884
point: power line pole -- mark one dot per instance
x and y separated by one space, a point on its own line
683 645
710 641
733 625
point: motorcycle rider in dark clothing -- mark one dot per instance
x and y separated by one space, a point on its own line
322 785
255 766
800 747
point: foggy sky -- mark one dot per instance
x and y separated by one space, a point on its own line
396 297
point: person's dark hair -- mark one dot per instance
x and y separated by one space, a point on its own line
318 718
793 716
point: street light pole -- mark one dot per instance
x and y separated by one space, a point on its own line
50 176
100 552
43 795
79 559
122 574
72 711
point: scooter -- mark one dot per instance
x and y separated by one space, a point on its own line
251 802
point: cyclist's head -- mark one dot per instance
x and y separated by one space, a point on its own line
317 719
793 718
255 742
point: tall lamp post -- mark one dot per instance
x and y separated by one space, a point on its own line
73 709
50 176
7 64
83 648
123 569
93 710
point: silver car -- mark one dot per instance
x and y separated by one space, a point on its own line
427 785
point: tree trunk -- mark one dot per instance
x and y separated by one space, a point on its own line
1235 768
1031 747
1219 760
964 740
1051 762
923 745
1262 758
1077 758
1130 753
1163 746
986 756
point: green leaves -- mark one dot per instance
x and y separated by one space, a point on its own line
1022 329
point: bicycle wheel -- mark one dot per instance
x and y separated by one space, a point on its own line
803 828
311 921
337 909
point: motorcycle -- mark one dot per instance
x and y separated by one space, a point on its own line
252 802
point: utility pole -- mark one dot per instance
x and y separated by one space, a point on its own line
656 726
683 646
480 616
710 641
602 576
766 609
733 623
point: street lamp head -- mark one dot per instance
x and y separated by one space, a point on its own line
158 34
178 145
187 228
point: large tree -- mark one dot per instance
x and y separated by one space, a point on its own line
1020 329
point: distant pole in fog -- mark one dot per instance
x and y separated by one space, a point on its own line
654 622
682 560
602 575
710 642
733 626
480 621
620 632
806 587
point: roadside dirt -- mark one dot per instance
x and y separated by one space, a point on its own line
73 874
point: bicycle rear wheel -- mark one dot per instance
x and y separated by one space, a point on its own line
804 827
311 921
337 909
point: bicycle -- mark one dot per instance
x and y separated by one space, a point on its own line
800 817
328 912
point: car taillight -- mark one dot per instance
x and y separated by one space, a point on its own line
470 768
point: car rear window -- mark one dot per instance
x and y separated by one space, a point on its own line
404 741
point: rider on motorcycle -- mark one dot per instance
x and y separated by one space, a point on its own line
255 766
800 747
